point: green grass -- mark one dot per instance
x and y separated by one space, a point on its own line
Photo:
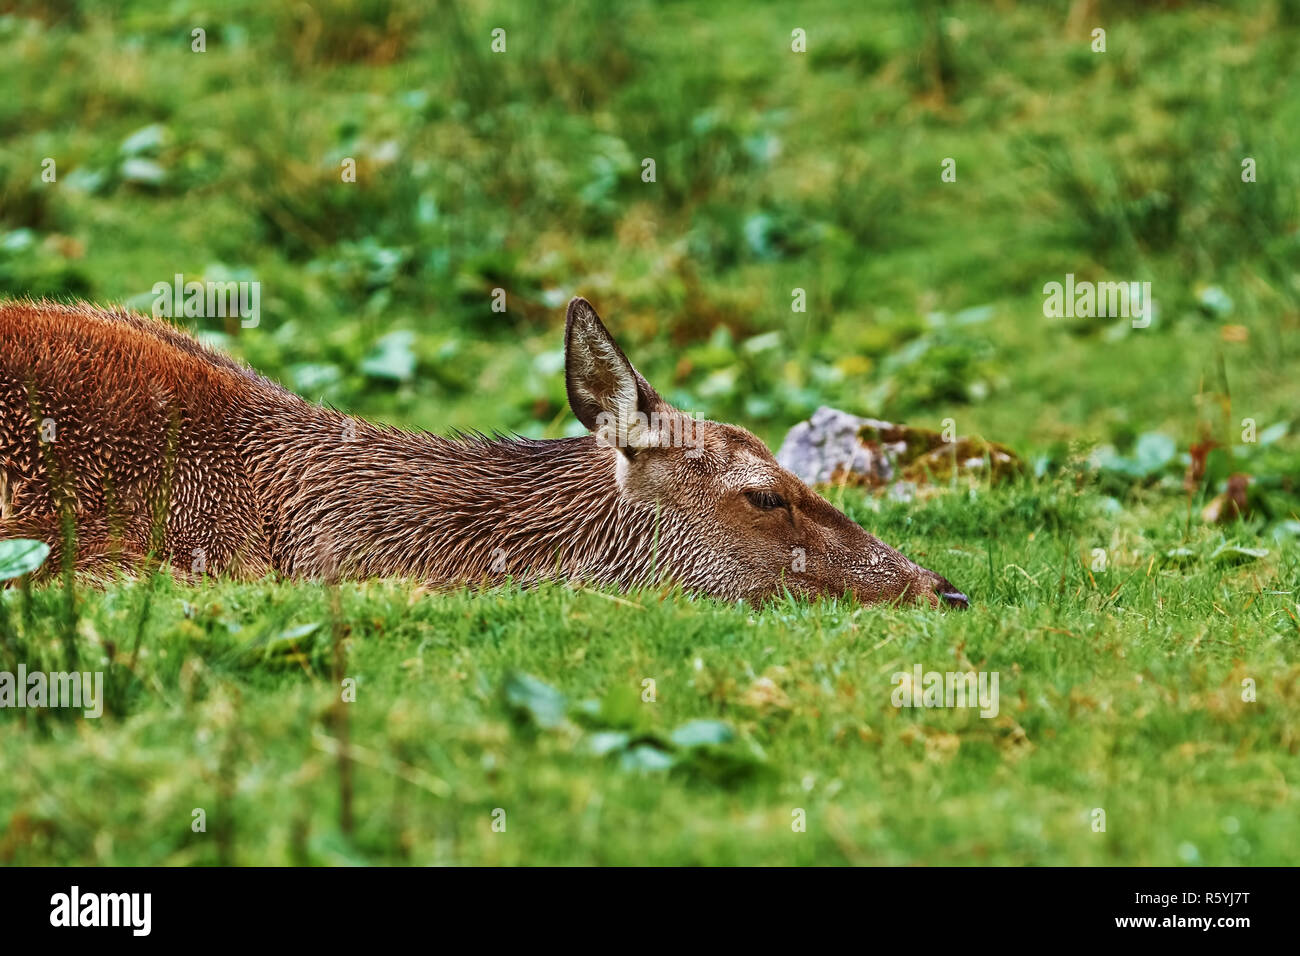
1120 689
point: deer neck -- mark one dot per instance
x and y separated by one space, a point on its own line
351 499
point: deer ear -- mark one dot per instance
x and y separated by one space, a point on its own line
605 391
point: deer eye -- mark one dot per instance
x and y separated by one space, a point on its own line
766 500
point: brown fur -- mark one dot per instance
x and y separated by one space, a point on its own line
164 448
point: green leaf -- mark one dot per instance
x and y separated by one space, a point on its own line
149 139
533 701
696 733
392 357
606 741
974 315
283 640
1153 452
315 377
1214 301
762 343
1286 529
1233 554
1273 432
19 556
646 757
144 171
1108 459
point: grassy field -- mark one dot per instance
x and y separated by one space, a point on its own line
1119 691
1128 632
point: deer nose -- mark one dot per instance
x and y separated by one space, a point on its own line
949 594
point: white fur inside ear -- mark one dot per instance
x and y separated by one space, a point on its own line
605 379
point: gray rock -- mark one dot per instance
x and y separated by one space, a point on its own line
834 447
826 449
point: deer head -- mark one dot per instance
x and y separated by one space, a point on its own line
730 521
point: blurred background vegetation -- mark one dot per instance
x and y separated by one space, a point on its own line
775 170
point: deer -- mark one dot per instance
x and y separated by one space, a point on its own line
125 442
